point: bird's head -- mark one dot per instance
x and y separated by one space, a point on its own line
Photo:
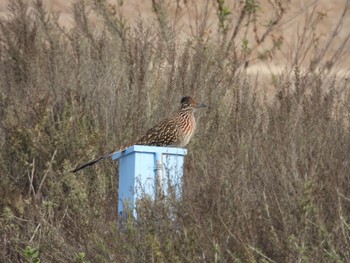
188 102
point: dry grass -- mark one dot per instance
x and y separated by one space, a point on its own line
266 179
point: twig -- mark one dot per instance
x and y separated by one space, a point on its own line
237 27
331 38
31 178
47 171
260 253
36 230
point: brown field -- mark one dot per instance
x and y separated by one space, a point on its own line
321 15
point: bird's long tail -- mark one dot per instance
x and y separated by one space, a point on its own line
93 161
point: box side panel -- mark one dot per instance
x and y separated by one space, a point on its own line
137 175
145 175
126 182
173 174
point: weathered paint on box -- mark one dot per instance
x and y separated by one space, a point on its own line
138 175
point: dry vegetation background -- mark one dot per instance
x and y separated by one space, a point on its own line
267 174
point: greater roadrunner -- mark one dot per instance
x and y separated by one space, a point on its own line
176 130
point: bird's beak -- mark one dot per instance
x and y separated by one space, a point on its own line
201 105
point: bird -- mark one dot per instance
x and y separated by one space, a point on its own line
175 130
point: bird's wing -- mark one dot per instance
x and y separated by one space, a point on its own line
163 134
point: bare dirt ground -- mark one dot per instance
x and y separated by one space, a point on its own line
188 15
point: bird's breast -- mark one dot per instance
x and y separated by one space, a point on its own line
187 131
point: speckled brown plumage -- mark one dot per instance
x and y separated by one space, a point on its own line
176 130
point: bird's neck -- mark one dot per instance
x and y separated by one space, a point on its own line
188 111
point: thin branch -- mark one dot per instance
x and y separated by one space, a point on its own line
31 179
331 38
47 171
35 231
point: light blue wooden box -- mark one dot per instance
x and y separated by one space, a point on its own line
138 175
